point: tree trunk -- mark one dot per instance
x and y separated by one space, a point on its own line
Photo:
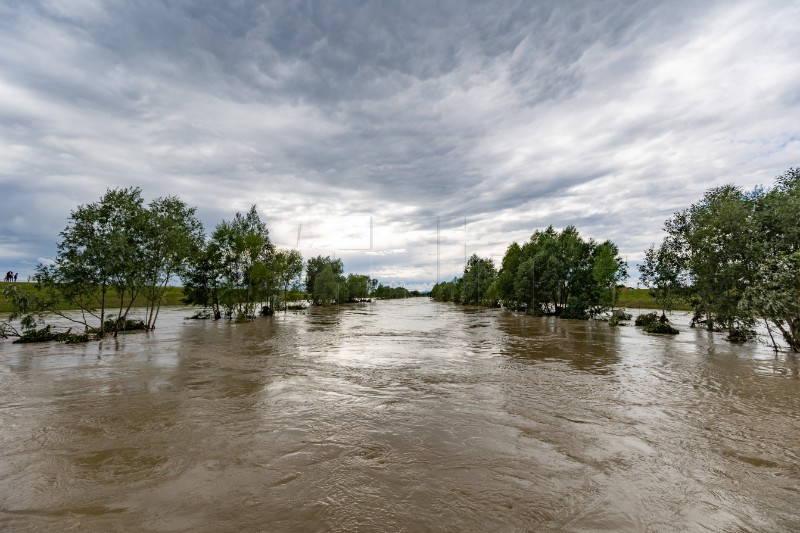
102 331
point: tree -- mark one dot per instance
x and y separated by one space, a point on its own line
202 279
173 236
560 273
507 275
326 286
288 266
608 270
733 251
243 253
112 252
101 249
479 275
775 296
663 272
314 266
358 286
719 238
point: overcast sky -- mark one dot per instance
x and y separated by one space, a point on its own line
332 116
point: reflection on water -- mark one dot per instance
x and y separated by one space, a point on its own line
406 415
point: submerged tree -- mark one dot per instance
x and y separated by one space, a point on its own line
560 273
663 272
242 253
321 293
775 296
718 240
174 237
112 252
479 276
358 286
288 267
734 253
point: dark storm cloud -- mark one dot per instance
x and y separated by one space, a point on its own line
516 115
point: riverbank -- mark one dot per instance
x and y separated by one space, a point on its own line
641 299
173 296
629 298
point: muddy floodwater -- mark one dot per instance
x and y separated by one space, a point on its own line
399 416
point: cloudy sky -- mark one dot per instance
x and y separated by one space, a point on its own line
490 118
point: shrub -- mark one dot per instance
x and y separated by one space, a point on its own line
645 320
620 315
46 334
661 328
740 335
124 324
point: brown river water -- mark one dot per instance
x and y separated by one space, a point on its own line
399 416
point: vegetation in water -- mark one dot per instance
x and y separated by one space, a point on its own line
118 253
47 334
113 253
660 327
555 273
735 256
652 323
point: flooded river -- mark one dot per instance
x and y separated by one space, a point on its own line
399 416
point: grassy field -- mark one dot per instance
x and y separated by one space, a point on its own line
633 298
641 299
172 296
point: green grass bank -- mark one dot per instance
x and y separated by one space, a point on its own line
641 299
172 296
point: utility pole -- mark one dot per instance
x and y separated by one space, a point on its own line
465 244
437 250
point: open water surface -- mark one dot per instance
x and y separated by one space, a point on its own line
399 416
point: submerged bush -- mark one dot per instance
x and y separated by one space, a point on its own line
124 324
740 335
647 319
660 327
46 334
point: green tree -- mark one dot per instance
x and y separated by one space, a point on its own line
202 279
560 273
358 286
101 249
719 238
243 253
288 266
608 270
775 296
663 271
479 275
507 276
314 266
326 286
173 238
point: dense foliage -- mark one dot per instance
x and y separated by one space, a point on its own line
557 273
734 256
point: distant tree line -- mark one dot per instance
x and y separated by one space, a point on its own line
118 252
554 273
735 257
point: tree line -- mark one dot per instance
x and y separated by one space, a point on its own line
554 273
735 257
119 251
